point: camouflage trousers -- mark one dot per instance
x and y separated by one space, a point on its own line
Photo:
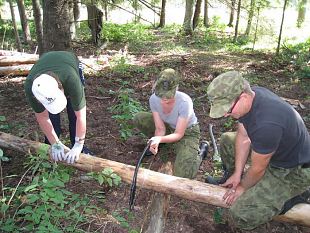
187 160
266 199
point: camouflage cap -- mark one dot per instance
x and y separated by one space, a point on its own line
223 91
167 83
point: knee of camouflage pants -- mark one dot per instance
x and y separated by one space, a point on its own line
145 123
227 150
187 160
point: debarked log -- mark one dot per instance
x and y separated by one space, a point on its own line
19 70
188 189
17 60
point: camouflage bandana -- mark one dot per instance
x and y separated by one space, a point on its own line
167 83
223 91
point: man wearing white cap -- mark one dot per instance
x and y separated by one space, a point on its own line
54 83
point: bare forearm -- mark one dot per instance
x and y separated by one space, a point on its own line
251 178
81 123
47 127
242 149
170 138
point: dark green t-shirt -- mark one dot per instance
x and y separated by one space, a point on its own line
65 66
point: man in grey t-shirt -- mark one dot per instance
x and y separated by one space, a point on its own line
172 121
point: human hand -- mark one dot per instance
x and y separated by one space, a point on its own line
58 151
233 194
154 144
232 182
74 154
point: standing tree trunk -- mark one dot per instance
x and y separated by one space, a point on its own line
24 21
232 13
76 12
187 24
250 18
206 14
17 40
162 20
105 8
301 12
197 13
71 19
38 23
56 30
281 27
256 28
237 21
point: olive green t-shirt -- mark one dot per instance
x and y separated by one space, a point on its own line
65 66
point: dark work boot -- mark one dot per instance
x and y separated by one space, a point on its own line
203 150
302 198
212 180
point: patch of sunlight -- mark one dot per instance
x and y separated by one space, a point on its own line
174 49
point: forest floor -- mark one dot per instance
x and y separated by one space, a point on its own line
198 68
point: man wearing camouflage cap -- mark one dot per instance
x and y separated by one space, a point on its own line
273 135
172 121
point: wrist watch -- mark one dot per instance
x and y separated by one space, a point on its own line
79 140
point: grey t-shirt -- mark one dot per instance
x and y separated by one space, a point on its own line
183 108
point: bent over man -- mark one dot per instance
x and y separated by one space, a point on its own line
274 136
55 82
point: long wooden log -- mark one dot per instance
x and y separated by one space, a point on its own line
181 187
19 70
17 60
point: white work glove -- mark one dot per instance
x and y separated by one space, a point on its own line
58 151
74 154
155 141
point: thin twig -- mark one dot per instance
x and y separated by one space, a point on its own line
13 194
98 97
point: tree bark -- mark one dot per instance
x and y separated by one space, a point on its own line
38 23
162 20
158 209
237 22
181 187
71 19
76 12
17 40
281 27
56 30
24 21
187 24
206 14
301 12
15 70
197 13
250 18
17 60
232 13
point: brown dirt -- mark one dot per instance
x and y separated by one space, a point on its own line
104 139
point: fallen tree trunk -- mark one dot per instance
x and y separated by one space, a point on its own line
17 60
21 70
181 187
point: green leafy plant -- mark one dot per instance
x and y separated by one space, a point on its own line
42 203
3 124
124 218
124 111
106 176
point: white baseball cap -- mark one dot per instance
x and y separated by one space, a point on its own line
45 89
